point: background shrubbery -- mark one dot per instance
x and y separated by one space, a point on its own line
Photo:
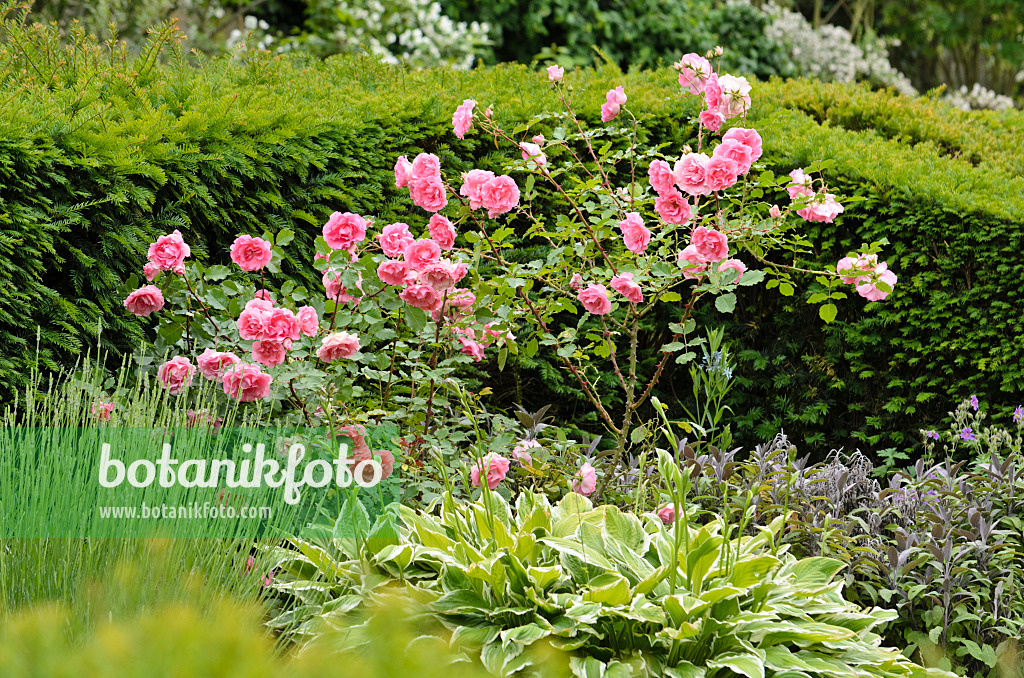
100 152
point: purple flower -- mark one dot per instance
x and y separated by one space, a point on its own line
967 434
974 402
934 435
1018 414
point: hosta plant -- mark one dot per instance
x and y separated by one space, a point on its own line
623 595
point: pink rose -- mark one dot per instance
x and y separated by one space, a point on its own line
394 238
823 208
520 454
712 92
595 299
576 282
309 321
263 295
500 195
493 466
426 167
800 186
101 410
555 73
260 302
472 348
624 285
251 323
442 275
421 252
672 207
748 137
635 235
458 304
442 231
614 100
175 375
586 480
661 177
711 119
473 183
150 270
692 263
269 353
735 98
145 300
168 252
429 194
733 265
251 254
463 118
867 287
247 383
342 231
387 463
421 296
357 434
712 245
737 152
690 173
338 345
609 111
212 364
720 173
403 172
392 272
694 71
667 514
534 157
335 291
774 212
280 324
852 271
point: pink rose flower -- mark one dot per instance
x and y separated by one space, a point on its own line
338 345
692 263
421 252
867 287
309 321
168 252
101 410
394 238
555 73
342 231
425 167
737 152
429 194
145 300
387 463
635 235
473 183
720 173
263 295
800 186
609 111
269 353
661 177
463 118
614 100
520 454
694 71
335 291
712 245
403 172
712 120
458 304
357 434
442 275
624 285
442 231
493 466
595 299
421 296
852 271
733 265
712 92
175 375
392 272
212 364
280 324
823 208
735 98
534 157
667 514
500 195
251 254
150 271
748 137
247 383
471 348
672 207
774 212
576 282
586 480
690 173
251 324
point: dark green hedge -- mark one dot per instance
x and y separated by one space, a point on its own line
99 155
